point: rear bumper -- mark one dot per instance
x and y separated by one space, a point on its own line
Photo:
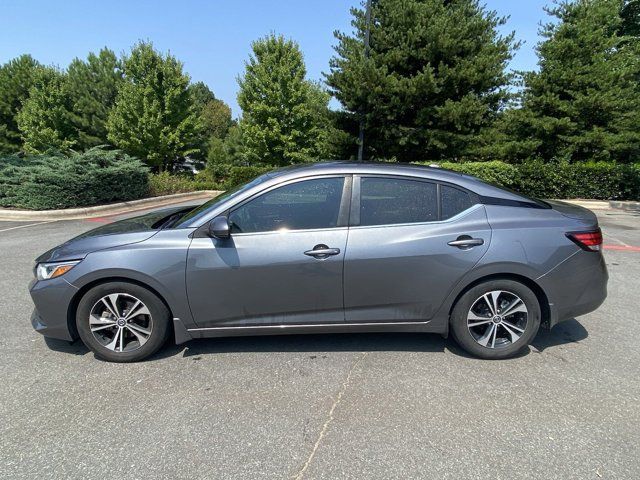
52 299
575 287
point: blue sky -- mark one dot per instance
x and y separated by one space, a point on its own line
212 37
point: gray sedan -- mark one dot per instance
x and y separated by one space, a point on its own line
329 247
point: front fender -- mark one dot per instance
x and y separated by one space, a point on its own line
158 263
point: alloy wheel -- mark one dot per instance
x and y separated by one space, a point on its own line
497 319
120 322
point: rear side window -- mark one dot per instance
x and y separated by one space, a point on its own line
454 201
309 204
385 201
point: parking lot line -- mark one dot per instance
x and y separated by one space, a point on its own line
25 226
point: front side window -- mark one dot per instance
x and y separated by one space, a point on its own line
386 201
305 205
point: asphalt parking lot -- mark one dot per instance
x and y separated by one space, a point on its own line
326 406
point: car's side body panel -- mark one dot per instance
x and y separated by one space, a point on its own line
404 272
266 279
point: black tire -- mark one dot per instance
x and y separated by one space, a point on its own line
160 318
462 332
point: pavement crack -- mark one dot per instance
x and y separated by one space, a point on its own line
325 426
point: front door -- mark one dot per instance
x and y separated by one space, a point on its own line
283 264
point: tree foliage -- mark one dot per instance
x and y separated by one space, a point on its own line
434 79
214 117
153 116
584 102
92 86
284 115
16 79
44 119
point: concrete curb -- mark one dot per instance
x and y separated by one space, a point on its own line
590 204
105 210
606 205
627 206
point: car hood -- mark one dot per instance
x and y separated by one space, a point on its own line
122 232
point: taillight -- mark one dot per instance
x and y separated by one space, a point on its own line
590 240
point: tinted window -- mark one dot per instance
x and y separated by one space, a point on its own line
454 201
298 206
386 201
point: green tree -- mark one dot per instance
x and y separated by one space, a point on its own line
44 119
229 150
584 102
630 18
153 117
92 86
433 80
283 114
16 79
214 117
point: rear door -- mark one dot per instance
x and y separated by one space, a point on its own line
410 241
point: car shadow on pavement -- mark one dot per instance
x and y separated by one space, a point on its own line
338 342
570 331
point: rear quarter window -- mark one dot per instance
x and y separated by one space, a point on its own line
454 201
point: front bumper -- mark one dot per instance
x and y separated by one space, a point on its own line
52 299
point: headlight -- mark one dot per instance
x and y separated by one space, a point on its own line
45 271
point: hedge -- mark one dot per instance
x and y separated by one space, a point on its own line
594 180
230 176
167 184
591 180
52 181
216 177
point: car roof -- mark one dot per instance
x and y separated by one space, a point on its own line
300 171
435 173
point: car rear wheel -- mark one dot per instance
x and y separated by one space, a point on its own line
496 319
122 322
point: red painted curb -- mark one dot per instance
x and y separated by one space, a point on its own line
622 248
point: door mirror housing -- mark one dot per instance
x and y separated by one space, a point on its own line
219 228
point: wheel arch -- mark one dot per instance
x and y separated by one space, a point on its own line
543 299
75 301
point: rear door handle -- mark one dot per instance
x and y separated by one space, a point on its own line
465 241
322 251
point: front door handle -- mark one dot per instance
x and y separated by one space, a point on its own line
322 251
465 241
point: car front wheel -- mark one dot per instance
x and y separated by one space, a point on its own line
122 322
496 319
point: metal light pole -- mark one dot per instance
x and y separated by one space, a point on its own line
367 32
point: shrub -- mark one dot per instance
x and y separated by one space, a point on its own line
496 172
167 184
593 180
53 181
229 176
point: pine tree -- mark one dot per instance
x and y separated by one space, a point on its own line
16 79
283 114
153 117
584 102
92 87
433 80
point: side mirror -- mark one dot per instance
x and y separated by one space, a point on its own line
219 227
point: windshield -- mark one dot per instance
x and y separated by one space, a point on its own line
233 192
